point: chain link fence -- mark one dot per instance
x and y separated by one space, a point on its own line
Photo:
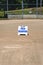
23 10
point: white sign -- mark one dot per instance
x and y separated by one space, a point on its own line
22 30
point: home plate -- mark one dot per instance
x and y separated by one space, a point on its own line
23 30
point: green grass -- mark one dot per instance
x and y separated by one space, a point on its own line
25 11
1 13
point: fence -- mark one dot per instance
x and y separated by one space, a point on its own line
23 10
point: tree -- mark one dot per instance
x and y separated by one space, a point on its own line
16 4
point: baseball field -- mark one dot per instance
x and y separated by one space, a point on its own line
21 50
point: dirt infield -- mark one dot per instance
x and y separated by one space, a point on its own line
21 50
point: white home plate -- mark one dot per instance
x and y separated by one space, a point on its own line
22 30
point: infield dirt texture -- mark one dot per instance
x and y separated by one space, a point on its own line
21 50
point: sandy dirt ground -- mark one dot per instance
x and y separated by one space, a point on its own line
21 50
